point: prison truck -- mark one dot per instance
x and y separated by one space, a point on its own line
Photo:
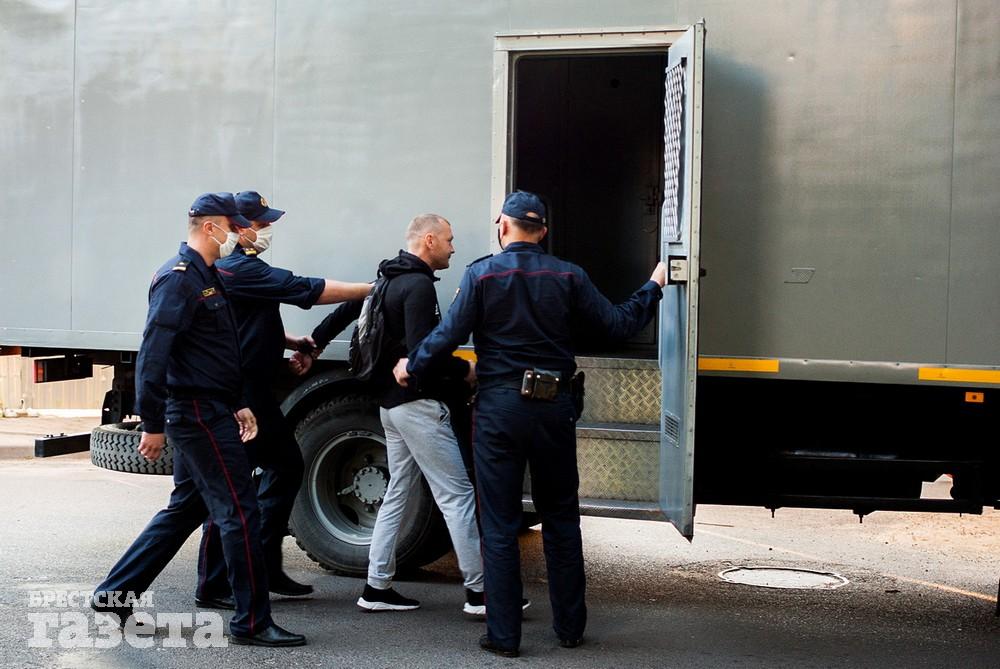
823 178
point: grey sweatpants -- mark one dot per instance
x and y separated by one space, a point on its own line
419 438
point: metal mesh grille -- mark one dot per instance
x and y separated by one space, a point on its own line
671 427
673 105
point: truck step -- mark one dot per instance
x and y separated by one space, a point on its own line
621 390
622 431
609 508
619 461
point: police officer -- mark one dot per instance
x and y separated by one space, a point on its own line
519 305
256 290
188 384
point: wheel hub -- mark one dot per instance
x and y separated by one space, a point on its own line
370 484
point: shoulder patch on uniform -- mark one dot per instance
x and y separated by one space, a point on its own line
208 292
488 255
181 266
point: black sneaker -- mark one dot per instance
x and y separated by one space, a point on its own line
571 643
374 599
283 584
475 604
487 645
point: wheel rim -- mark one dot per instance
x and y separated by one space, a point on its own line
347 480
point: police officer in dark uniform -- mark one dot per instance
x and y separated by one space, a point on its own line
256 290
188 384
521 306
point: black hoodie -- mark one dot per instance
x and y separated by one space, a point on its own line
411 312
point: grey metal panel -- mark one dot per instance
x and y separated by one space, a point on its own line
36 156
827 145
974 289
618 468
621 391
679 320
627 431
173 99
569 14
637 364
383 113
616 462
61 338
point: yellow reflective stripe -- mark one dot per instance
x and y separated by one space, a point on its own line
465 354
958 375
706 364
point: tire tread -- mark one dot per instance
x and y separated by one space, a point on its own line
115 447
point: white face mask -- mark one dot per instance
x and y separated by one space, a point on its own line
263 241
228 246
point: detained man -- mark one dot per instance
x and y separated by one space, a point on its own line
418 431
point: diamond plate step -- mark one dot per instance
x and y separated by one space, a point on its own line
621 390
610 508
617 462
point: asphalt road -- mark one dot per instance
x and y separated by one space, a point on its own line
921 592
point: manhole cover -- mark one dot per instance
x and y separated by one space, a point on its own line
784 577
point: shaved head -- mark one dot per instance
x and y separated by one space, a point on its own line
422 225
429 238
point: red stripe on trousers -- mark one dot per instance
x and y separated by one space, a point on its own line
236 500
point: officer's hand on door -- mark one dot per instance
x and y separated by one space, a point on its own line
248 424
151 445
660 274
399 371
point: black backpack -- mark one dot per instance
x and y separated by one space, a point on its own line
368 341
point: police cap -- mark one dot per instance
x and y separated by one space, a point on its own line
218 204
521 203
254 207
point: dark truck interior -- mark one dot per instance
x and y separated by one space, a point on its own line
588 138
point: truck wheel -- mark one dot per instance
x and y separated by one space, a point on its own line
115 447
346 474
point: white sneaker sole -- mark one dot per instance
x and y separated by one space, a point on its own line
480 611
477 611
383 606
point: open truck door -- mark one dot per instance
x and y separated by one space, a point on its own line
680 236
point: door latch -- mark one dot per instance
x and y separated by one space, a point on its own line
677 267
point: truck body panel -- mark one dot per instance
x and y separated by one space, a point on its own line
856 141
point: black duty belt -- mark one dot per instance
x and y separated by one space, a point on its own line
537 384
